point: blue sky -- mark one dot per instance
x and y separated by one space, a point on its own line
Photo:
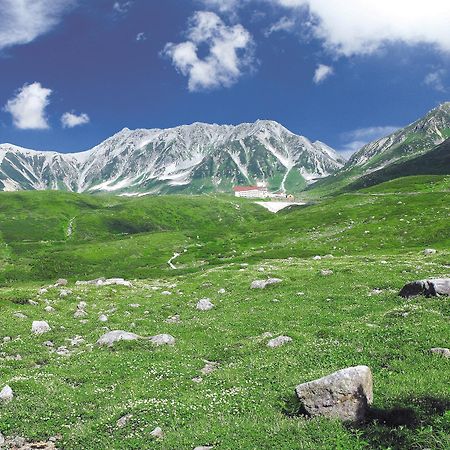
74 72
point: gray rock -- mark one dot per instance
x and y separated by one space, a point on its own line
2 439
279 341
173 319
124 420
112 337
20 315
204 447
64 293
61 282
430 288
345 394
429 251
103 318
445 352
262 284
210 367
162 339
204 304
49 309
221 291
40 327
6 394
326 272
79 313
157 433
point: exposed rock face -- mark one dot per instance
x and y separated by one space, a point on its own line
112 337
278 341
162 339
429 288
345 394
262 284
40 327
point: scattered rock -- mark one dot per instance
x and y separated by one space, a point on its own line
162 339
445 352
20 315
76 341
79 313
204 304
115 336
173 319
40 327
262 284
326 272
7 339
317 258
166 293
61 282
2 439
42 291
429 251
48 344
124 420
210 367
49 309
430 288
278 341
63 351
32 302
106 282
197 379
221 291
134 305
6 394
204 447
103 318
345 394
157 433
64 293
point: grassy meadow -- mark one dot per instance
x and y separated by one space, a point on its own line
376 237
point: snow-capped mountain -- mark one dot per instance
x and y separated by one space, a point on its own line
191 158
418 137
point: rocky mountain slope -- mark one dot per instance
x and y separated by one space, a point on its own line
191 158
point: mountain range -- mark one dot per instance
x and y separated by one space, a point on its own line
212 158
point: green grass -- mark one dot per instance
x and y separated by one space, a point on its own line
376 237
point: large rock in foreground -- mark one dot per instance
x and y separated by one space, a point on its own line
110 338
345 394
429 288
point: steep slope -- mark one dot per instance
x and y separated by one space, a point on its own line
417 139
191 158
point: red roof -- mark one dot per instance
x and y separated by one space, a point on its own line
246 188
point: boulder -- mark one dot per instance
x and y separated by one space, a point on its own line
445 352
157 433
429 251
40 327
112 337
262 284
279 341
61 282
204 304
123 420
430 288
162 339
6 394
345 394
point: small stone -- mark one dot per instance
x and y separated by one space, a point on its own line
49 309
162 339
278 341
63 351
204 304
103 318
157 433
79 313
209 368
123 420
221 291
48 344
20 315
326 272
2 439
6 394
64 293
166 293
76 341
197 379
445 352
204 447
82 305
345 394
262 284
317 258
115 336
32 302
429 251
40 327
134 305
61 282
7 339
42 291
173 319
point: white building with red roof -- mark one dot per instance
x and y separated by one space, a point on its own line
258 191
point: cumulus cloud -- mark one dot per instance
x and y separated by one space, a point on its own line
28 107
71 120
229 52
22 21
322 73
356 139
354 27
435 80
141 37
223 6
284 24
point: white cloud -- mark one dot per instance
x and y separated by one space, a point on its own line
322 73
356 139
435 80
141 37
230 52
22 21
122 7
70 119
223 6
28 107
351 27
284 24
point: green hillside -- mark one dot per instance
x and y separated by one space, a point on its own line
351 316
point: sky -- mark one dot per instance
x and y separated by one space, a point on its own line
74 72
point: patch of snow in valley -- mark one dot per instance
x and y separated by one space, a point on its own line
278 206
